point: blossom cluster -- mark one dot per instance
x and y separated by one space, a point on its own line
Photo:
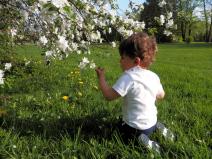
85 62
165 20
65 27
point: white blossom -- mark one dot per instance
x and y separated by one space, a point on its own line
62 43
142 25
78 52
13 32
60 3
43 40
85 60
167 33
169 15
87 7
27 63
56 30
129 32
162 3
43 1
1 77
1 73
109 30
92 65
74 46
63 30
113 13
113 44
84 63
162 19
48 53
170 23
141 7
95 36
7 66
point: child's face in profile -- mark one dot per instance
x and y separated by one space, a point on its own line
126 62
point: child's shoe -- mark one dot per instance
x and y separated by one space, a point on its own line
152 145
166 132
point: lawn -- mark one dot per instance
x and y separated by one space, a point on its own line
36 122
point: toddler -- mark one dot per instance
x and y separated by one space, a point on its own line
139 87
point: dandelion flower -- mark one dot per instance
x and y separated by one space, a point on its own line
80 94
80 82
65 98
95 87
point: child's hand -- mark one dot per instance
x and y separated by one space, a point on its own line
100 72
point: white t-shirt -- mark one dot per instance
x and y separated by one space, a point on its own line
139 88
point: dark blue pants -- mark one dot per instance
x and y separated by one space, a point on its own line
127 132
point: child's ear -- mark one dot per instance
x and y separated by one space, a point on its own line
137 61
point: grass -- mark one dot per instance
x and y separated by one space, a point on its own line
37 123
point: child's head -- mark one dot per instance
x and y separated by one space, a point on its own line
139 45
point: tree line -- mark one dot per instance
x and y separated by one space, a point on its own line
192 19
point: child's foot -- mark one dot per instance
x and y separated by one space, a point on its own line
152 145
166 132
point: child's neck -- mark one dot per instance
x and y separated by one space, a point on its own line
142 66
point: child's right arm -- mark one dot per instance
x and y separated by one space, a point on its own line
108 92
160 95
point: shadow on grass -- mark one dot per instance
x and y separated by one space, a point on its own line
88 127
93 126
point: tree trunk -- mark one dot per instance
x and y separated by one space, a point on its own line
206 21
183 31
210 32
189 30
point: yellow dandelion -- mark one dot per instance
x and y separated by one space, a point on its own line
65 98
80 82
95 87
72 72
80 94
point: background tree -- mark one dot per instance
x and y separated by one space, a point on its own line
8 17
157 15
207 10
185 17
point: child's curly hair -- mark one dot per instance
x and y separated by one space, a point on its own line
139 45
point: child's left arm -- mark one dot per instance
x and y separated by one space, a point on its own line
108 92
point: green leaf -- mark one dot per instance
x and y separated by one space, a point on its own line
68 11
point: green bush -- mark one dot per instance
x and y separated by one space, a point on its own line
189 39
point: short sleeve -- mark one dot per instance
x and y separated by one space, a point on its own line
123 84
